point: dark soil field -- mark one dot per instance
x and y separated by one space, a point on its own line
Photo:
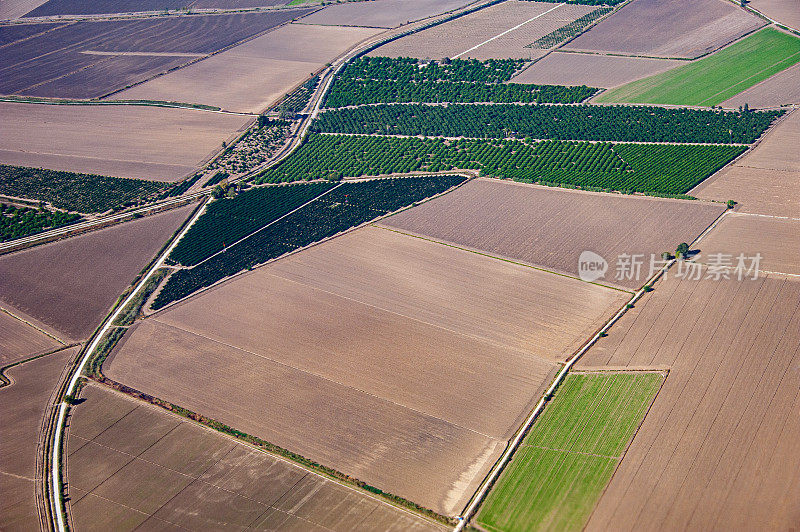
16 32
668 28
71 284
378 360
81 7
130 464
719 449
88 59
22 407
551 227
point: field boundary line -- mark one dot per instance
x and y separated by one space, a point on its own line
497 257
507 31
312 200
26 322
512 447
6 381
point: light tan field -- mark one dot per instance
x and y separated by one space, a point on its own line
781 89
11 9
603 71
382 13
767 180
478 35
379 358
19 340
668 28
71 284
719 449
133 465
252 76
776 239
124 141
551 227
784 11
22 407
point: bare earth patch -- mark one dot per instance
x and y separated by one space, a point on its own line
781 89
131 464
19 340
379 358
381 13
604 71
766 180
71 284
497 32
22 407
668 28
551 227
784 11
727 413
252 76
122 141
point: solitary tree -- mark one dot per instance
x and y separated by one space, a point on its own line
682 251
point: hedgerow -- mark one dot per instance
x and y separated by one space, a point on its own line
564 122
346 206
646 168
226 220
85 193
369 80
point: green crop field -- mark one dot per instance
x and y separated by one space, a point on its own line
713 79
559 472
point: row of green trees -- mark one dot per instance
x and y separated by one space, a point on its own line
565 122
647 168
346 206
570 30
16 222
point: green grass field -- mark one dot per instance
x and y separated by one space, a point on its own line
558 473
713 79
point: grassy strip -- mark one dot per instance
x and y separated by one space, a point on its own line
131 312
151 103
715 78
275 449
557 476
95 364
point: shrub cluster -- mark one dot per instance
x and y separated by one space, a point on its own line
564 122
16 222
85 193
348 205
647 168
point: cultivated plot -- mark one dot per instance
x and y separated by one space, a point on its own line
133 465
766 180
378 361
501 31
13 9
556 477
782 11
252 76
668 28
20 340
781 89
381 13
22 407
593 70
71 284
121 141
725 415
777 240
15 32
78 7
93 58
551 227
714 79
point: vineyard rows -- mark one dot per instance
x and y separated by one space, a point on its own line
563 122
370 80
228 219
647 168
570 30
349 205
76 192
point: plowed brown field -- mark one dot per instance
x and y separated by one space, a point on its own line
718 449
133 465
551 227
19 341
381 13
781 89
767 180
71 284
375 353
485 34
22 407
668 28
122 141
604 71
784 11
